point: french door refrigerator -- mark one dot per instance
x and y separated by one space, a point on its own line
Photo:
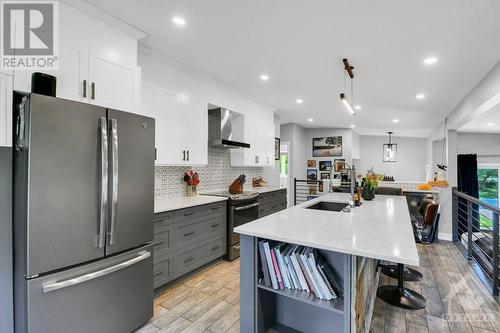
83 212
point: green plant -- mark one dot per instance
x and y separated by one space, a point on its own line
371 180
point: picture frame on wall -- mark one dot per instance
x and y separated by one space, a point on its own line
339 165
325 175
327 146
312 174
311 163
277 148
325 165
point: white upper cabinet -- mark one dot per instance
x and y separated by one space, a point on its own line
113 85
6 87
181 127
195 131
259 133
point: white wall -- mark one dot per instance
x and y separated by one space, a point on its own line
272 175
411 158
295 135
485 145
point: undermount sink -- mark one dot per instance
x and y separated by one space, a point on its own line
330 206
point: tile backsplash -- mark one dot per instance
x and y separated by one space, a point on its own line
215 176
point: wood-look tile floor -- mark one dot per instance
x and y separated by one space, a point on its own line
457 301
208 300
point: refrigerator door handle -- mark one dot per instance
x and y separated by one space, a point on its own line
114 179
104 181
94 275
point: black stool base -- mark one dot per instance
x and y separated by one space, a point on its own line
409 273
401 297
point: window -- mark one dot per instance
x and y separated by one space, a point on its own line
487 176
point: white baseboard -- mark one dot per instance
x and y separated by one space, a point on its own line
445 236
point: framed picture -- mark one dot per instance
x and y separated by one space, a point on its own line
327 146
312 174
325 175
311 163
325 165
312 190
337 176
277 151
339 165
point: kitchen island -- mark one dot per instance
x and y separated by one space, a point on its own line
351 243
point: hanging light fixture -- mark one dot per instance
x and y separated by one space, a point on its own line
389 150
343 97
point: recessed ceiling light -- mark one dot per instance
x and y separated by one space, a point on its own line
490 124
264 77
420 96
299 101
353 126
310 120
429 61
179 21
395 120
357 107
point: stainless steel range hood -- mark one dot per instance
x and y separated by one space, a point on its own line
225 128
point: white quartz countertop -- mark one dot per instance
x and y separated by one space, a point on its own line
379 229
263 189
165 205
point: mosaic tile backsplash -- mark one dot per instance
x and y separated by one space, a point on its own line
215 176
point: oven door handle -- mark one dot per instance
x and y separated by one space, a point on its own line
246 207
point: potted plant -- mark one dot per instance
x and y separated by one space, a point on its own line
370 184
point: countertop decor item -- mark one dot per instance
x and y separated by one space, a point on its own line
259 182
370 184
237 186
192 180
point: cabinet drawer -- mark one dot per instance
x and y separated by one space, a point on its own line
164 238
193 257
163 219
163 271
186 234
187 214
215 208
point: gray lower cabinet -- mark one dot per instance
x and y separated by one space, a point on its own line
186 239
272 202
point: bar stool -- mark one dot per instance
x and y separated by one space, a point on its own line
410 274
399 295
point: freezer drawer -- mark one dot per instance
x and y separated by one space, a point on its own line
112 295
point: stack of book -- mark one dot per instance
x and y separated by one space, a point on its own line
298 267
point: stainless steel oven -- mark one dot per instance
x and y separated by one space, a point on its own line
239 213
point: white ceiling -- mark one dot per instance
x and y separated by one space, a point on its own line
481 123
300 44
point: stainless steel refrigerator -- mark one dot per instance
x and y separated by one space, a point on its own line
83 217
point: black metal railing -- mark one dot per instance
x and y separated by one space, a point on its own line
476 234
305 190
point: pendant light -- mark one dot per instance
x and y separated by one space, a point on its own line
343 97
389 150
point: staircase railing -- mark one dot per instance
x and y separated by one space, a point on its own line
476 235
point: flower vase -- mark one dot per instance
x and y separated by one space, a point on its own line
367 194
191 191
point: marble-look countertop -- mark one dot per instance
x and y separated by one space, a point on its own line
168 204
379 229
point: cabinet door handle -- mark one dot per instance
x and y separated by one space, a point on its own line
215 225
183 155
159 243
84 88
188 214
188 155
188 260
189 234
215 208
215 248
92 90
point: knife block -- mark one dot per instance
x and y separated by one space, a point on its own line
236 187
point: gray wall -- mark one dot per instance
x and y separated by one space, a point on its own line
6 301
411 158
